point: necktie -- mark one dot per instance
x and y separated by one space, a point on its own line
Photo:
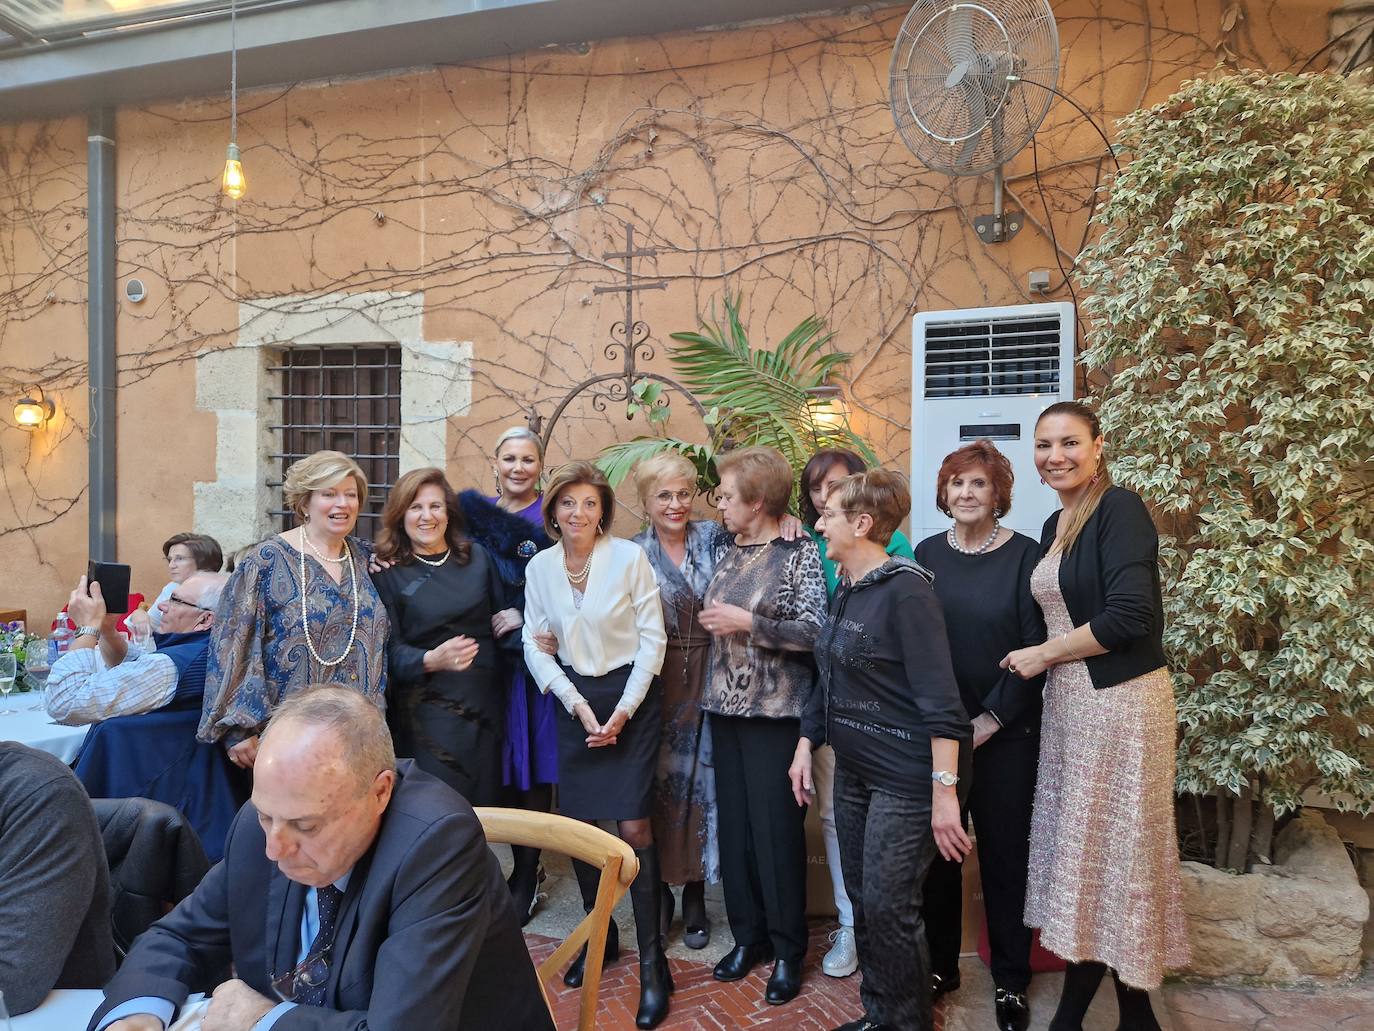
327 900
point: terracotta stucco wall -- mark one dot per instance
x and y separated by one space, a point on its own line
759 160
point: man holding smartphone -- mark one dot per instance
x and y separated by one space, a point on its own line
101 677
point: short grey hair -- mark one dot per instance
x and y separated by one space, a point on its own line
520 433
359 724
214 588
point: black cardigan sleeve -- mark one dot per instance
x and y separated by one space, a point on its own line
1011 696
918 623
1128 549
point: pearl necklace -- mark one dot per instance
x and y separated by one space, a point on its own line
579 578
322 557
432 561
305 611
954 540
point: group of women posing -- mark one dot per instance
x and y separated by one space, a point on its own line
669 683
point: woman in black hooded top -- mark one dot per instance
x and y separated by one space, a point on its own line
887 702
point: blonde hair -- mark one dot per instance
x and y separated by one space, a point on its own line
762 474
577 474
520 433
316 472
1066 536
883 495
663 466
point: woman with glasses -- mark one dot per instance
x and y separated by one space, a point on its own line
825 469
681 551
299 609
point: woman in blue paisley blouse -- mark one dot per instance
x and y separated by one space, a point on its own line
299 609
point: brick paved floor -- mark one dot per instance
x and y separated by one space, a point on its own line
702 1002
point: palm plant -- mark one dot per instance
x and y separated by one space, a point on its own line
751 397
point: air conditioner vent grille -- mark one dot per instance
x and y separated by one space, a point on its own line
993 357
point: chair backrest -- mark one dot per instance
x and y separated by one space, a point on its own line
618 864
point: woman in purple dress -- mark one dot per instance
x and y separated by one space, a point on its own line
510 526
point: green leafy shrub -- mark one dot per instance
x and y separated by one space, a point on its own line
1231 291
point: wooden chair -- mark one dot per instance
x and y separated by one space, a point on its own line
618 864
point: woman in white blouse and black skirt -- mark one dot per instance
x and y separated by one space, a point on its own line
598 597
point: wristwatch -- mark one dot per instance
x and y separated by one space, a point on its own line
944 777
86 631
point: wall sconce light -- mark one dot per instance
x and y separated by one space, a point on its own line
30 413
828 408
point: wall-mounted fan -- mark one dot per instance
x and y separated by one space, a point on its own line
970 84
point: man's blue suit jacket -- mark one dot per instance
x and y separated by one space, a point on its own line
427 940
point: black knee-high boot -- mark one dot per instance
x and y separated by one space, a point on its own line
1081 981
1134 1003
655 980
524 881
588 878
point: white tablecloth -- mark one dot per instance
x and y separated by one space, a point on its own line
36 729
65 1009
70 1009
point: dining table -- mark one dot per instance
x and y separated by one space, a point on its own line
71 1009
21 721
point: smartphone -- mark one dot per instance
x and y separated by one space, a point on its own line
113 578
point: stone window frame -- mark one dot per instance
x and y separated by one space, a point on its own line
234 383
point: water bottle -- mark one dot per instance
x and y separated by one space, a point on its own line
60 640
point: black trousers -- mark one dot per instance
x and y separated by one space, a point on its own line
999 798
762 840
886 847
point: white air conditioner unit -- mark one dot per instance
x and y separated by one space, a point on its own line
986 372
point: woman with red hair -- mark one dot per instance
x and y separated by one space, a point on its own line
982 578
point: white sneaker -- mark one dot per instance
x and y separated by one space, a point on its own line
843 957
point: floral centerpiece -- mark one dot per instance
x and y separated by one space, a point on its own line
14 640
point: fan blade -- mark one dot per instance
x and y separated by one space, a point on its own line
977 123
959 35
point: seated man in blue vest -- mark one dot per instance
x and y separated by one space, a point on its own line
101 676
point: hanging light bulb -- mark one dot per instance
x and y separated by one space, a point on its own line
233 184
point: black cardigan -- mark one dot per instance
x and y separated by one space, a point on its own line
1110 580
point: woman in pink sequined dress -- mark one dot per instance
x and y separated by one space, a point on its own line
1104 880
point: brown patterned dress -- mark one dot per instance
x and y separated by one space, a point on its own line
1104 877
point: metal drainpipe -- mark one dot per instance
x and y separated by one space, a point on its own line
100 317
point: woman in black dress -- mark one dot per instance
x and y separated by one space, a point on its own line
445 700
982 578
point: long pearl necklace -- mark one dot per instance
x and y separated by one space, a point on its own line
322 557
577 579
432 561
992 537
305 611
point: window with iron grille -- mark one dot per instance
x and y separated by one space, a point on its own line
340 399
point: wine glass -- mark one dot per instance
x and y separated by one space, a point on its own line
9 668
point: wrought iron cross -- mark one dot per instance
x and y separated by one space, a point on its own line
630 329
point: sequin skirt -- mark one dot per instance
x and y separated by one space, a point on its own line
1104 878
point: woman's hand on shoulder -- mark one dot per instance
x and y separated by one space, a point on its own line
790 527
378 565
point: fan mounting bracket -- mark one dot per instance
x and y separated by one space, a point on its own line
999 228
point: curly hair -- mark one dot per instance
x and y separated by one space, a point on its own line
981 454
